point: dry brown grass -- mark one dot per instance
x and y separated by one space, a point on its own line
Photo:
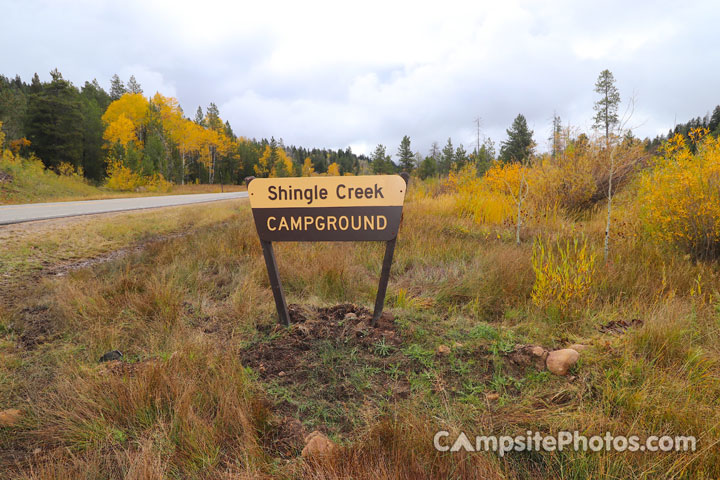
183 310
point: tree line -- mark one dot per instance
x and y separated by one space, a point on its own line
89 130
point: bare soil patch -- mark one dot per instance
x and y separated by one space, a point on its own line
618 327
34 326
329 360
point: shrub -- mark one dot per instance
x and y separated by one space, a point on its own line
563 275
486 199
680 196
121 177
577 177
69 170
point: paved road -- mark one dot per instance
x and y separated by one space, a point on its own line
43 211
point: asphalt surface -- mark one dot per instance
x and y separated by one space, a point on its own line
30 212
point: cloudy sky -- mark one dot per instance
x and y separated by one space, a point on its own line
337 74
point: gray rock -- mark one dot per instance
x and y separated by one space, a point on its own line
110 356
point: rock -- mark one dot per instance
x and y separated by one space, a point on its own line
538 351
578 347
492 396
560 361
110 356
443 349
10 417
317 444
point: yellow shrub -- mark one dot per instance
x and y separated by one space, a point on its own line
679 197
122 178
68 170
485 199
505 177
563 275
157 183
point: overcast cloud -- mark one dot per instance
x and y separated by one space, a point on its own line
338 74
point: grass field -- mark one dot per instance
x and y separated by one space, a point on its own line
211 387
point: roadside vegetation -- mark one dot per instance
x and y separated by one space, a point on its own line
26 180
210 387
606 246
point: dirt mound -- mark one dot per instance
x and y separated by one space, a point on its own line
346 321
342 325
329 361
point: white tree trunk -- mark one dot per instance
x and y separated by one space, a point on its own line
606 250
182 170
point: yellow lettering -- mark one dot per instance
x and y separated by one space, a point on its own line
331 223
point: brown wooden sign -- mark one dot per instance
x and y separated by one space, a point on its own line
327 209
316 209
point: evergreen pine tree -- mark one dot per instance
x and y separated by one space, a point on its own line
381 162
607 107
117 88
714 122
133 86
199 117
55 122
461 157
447 157
405 155
519 145
213 118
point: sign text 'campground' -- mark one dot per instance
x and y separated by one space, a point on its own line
306 209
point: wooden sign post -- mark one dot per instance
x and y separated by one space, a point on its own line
327 209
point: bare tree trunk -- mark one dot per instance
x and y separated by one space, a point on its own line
182 170
212 168
606 250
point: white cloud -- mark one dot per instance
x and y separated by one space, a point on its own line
327 73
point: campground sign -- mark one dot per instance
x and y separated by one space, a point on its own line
327 209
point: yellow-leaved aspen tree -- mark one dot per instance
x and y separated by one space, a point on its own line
307 169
